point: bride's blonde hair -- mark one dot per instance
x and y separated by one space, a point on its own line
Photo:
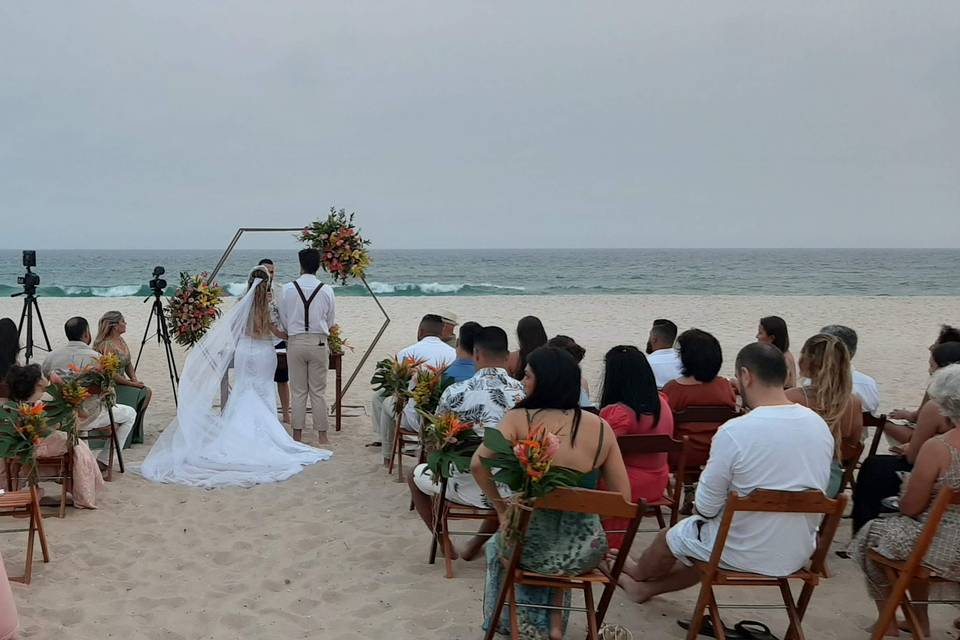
259 323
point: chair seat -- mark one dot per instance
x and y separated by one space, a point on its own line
15 499
725 576
899 565
533 578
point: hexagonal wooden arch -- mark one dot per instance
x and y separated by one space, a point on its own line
386 317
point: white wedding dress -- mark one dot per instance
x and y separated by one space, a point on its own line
246 444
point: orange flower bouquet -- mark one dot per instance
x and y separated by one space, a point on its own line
450 443
22 427
526 467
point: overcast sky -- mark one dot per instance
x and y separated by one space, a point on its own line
482 124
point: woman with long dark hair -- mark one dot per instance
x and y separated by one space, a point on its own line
773 330
9 345
530 335
557 543
632 405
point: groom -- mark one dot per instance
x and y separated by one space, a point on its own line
307 311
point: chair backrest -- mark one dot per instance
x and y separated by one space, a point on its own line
945 498
772 501
870 420
699 423
606 504
649 443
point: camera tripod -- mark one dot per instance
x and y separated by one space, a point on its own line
30 306
163 337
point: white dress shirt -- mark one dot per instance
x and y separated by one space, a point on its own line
322 309
666 366
865 388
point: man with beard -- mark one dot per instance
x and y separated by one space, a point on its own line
663 359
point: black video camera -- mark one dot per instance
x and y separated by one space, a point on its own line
158 284
30 281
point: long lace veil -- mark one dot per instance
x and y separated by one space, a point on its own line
197 422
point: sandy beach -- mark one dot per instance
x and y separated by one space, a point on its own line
335 554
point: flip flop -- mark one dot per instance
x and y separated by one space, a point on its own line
374 444
707 630
755 630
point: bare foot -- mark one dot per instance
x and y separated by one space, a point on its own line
892 630
630 565
637 591
322 438
903 625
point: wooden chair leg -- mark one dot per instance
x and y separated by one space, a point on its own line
514 615
889 613
28 567
445 532
795 631
910 614
700 608
660 521
498 607
393 451
64 473
715 615
592 627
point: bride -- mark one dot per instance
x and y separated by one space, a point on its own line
245 444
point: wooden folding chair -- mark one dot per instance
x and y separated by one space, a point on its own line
401 437
903 573
699 424
850 459
110 435
877 422
26 502
443 512
606 504
767 501
652 444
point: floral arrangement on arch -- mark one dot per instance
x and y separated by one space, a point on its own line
450 443
343 251
23 426
526 466
194 307
336 342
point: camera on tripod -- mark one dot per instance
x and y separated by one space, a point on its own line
158 284
30 281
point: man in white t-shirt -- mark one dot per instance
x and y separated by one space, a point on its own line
777 445
864 387
435 353
663 358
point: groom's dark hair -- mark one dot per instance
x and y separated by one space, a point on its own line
309 260
265 261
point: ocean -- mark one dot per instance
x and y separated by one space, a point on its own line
859 272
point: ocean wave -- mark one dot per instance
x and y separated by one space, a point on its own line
387 289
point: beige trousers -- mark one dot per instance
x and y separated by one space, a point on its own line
308 363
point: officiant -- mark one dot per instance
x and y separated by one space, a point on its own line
307 310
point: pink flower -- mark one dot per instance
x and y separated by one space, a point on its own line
56 379
551 445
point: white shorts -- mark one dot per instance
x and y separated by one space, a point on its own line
684 540
461 488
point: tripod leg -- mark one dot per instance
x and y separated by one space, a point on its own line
23 319
163 336
146 332
43 329
28 348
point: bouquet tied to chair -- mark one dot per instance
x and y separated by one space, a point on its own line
526 467
23 426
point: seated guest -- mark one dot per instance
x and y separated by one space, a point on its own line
828 390
699 386
570 345
632 405
449 333
464 367
899 432
531 335
110 340
663 357
864 387
773 330
879 475
27 384
9 345
557 543
77 352
433 352
894 537
779 445
481 400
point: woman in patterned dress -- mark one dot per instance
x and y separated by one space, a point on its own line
937 465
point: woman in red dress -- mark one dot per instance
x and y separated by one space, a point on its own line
632 405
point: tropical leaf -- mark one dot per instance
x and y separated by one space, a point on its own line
496 442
